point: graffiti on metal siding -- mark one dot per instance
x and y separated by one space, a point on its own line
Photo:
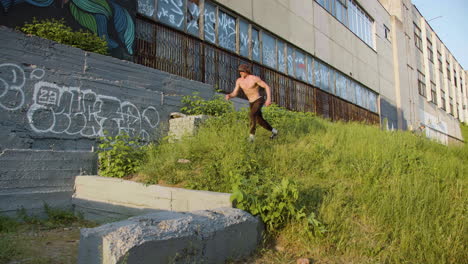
300 67
255 45
193 15
227 31
210 23
269 50
171 12
72 110
146 7
290 61
281 59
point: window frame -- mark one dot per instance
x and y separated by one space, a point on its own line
422 84
417 38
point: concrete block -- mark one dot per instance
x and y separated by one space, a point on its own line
191 200
185 126
105 212
118 191
107 199
211 236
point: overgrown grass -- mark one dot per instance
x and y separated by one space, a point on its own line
383 197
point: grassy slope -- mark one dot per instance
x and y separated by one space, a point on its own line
385 197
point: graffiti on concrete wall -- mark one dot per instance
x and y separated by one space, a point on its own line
11 86
106 18
436 128
72 110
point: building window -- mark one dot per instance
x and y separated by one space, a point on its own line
448 72
172 13
417 37
281 56
341 12
451 105
255 45
387 33
300 64
269 50
349 13
442 99
290 60
433 93
322 74
360 23
227 25
430 53
455 78
421 84
310 73
439 58
244 37
210 22
193 17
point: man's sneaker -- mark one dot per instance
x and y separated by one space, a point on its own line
274 133
251 138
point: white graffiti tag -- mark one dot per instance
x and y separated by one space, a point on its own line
12 80
73 111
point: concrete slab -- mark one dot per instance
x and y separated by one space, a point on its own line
211 236
104 199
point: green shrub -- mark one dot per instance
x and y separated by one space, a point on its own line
56 30
275 202
119 156
196 105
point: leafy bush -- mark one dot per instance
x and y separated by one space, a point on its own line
56 30
274 202
119 156
196 105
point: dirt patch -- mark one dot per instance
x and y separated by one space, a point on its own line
41 246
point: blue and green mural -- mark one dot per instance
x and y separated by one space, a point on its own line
112 19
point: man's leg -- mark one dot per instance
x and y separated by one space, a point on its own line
257 110
261 121
253 120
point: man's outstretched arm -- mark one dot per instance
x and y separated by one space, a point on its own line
267 89
234 93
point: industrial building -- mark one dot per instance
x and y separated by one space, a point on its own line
376 61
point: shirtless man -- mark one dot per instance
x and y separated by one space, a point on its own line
250 86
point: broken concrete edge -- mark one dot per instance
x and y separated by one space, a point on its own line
208 236
104 199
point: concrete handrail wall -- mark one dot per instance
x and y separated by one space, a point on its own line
102 199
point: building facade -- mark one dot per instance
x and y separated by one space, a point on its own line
381 56
363 60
